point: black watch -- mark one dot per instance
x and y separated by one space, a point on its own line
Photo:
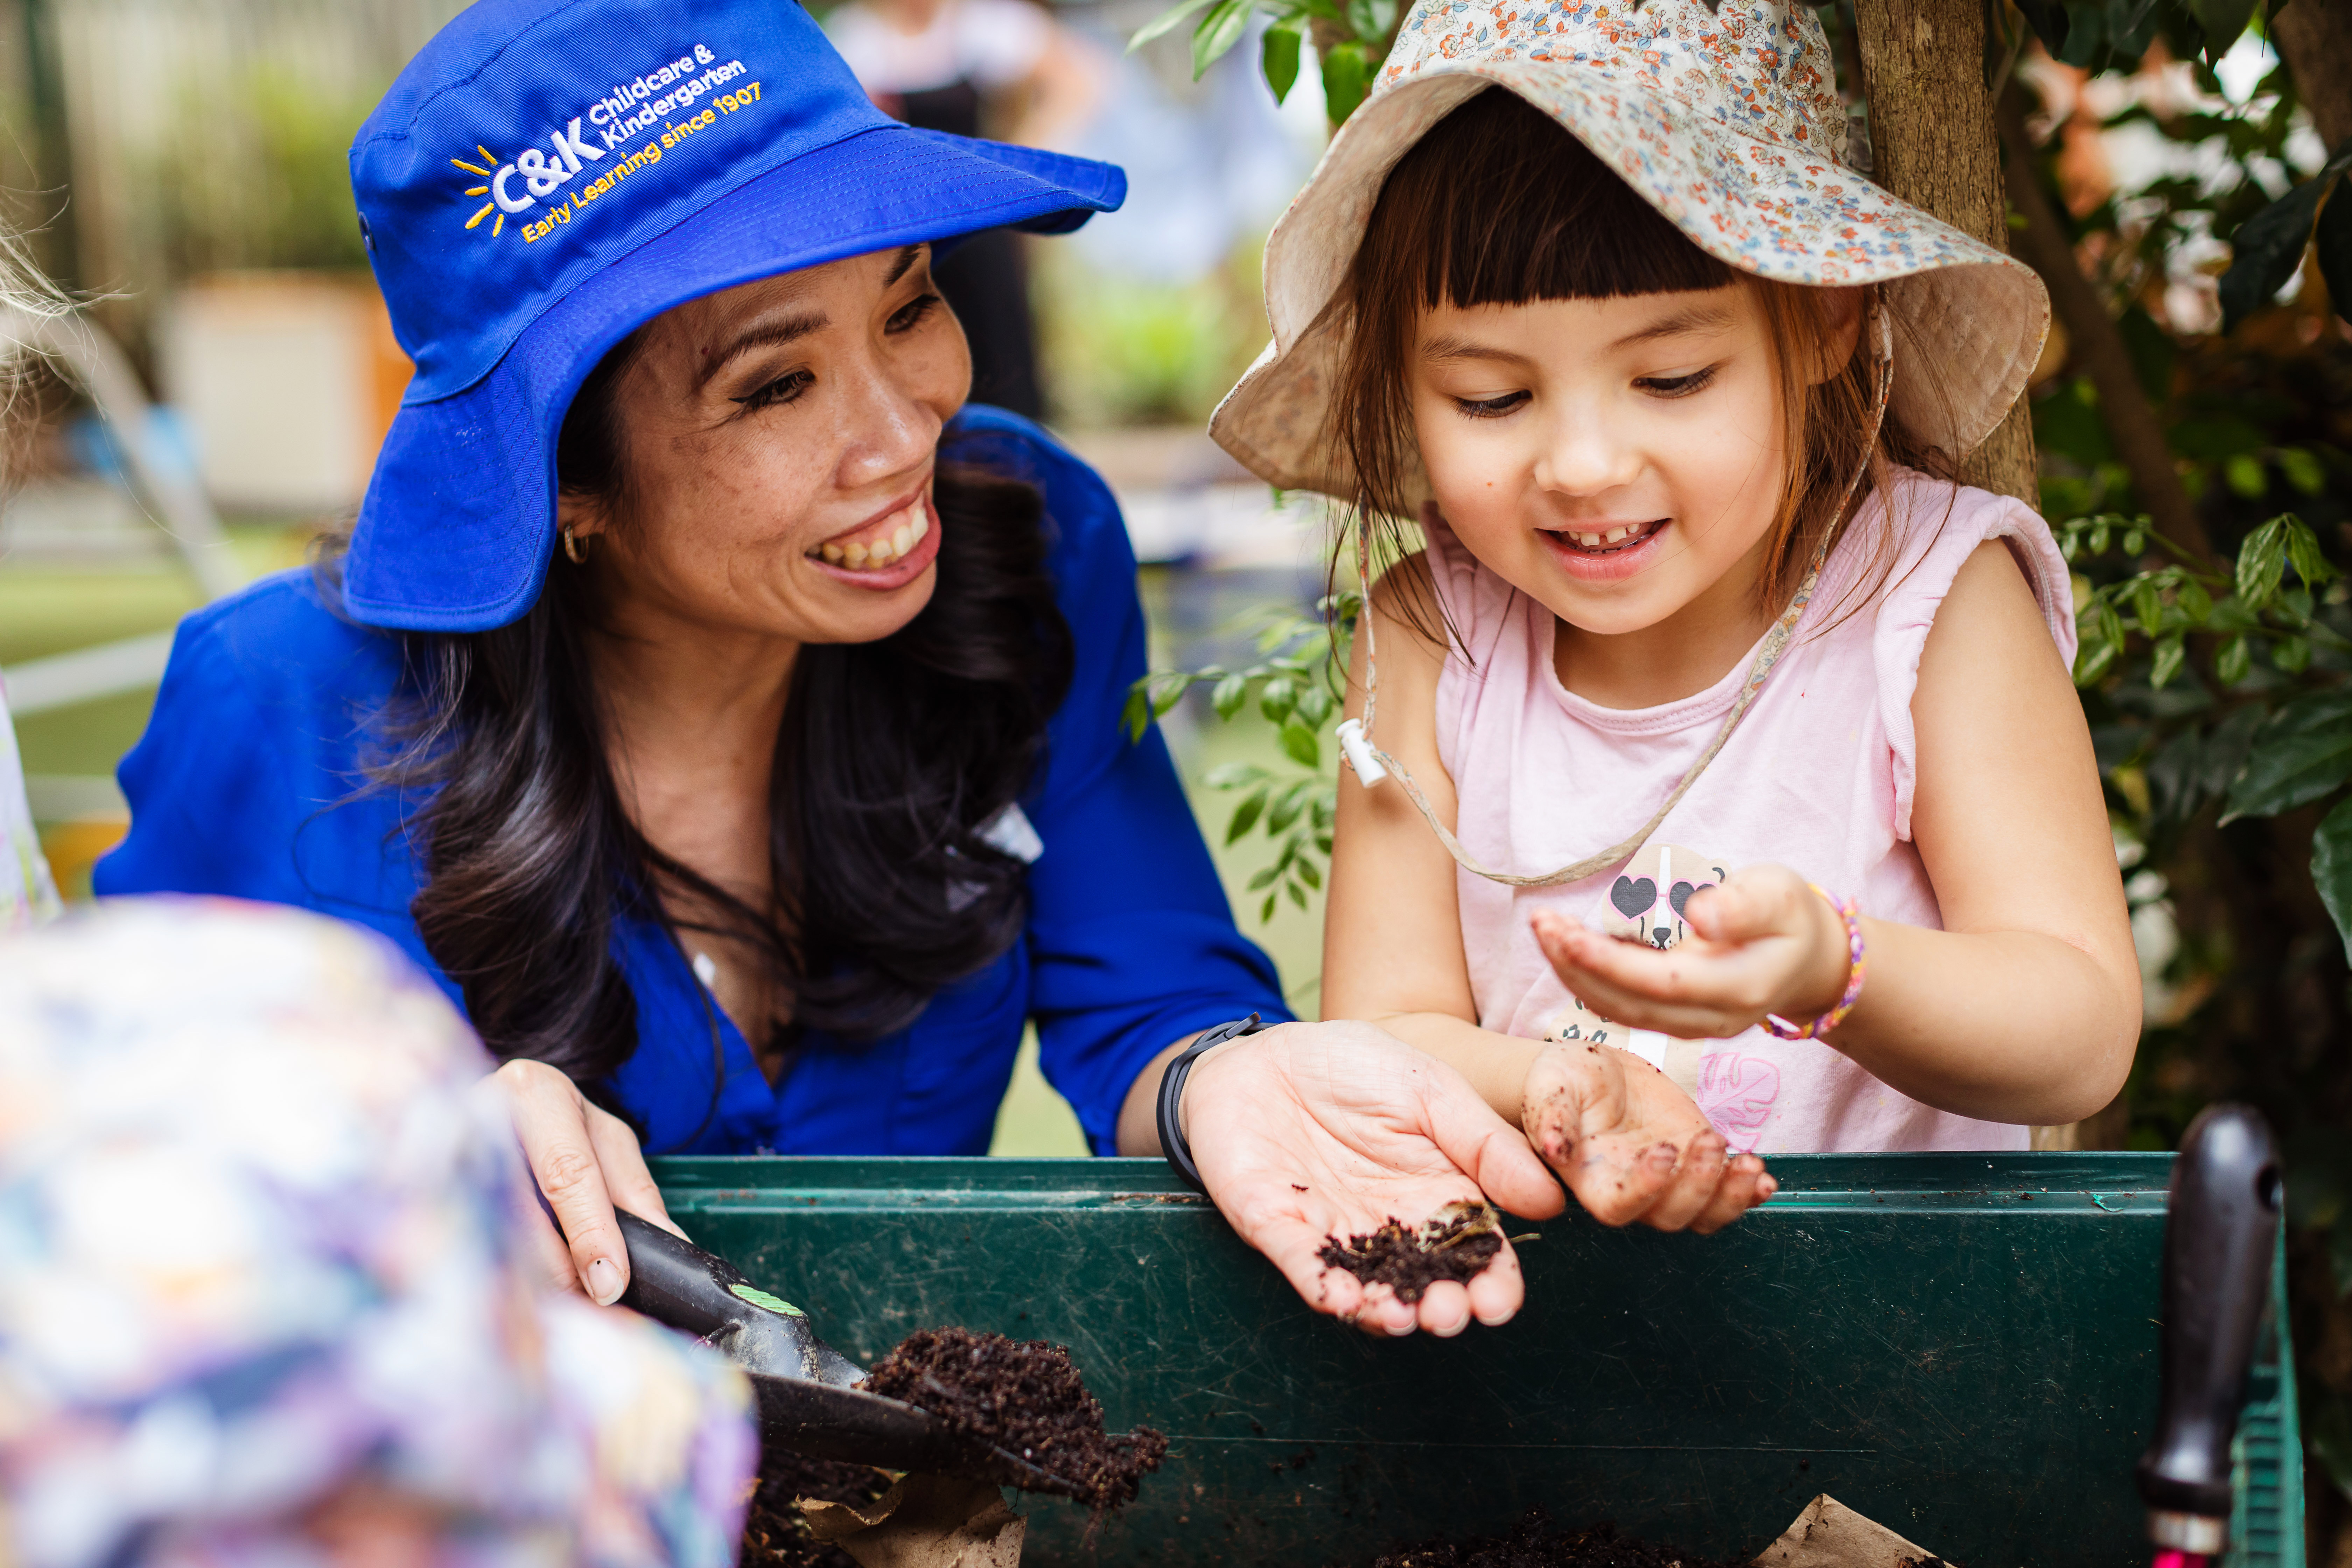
1171 1095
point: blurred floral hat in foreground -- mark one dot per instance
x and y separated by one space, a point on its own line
1728 122
254 1264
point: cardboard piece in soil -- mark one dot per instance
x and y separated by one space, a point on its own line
1829 1534
924 1522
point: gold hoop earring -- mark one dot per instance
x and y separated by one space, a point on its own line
575 548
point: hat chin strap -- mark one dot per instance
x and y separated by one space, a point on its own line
1372 764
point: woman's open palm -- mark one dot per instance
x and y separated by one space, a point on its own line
1313 1131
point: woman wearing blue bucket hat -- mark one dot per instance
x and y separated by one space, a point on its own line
724 714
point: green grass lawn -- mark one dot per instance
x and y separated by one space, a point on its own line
47 609
55 608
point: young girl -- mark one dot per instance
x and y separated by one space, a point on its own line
1697 624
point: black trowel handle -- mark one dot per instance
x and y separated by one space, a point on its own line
673 1281
2220 1232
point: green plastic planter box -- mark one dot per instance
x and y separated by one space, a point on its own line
1962 1346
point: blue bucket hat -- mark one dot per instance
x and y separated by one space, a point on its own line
545 178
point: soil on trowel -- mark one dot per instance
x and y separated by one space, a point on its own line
1536 1542
1023 1396
775 1535
1457 1243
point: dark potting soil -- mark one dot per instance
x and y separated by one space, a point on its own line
1536 1542
1410 1261
1023 1396
774 1536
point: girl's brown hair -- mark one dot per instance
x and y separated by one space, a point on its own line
1500 204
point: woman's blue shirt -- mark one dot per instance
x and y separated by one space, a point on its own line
249 782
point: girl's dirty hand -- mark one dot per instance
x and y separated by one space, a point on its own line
1763 941
1311 1132
1632 1146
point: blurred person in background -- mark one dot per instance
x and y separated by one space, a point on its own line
28 895
262 1294
973 68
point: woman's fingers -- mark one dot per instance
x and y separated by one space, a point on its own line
623 1161
1292 1243
1488 1149
1443 1309
1498 1294
1382 1313
545 1254
551 1123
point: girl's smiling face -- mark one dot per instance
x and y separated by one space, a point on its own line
1620 460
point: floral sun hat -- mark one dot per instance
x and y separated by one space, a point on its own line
256 1254
1728 122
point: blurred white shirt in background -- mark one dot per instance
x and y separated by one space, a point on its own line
993 44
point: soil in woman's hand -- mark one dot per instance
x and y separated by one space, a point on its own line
1457 1243
1535 1543
1025 1398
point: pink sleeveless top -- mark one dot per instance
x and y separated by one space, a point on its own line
1818 777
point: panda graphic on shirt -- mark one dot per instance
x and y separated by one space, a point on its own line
1735 1090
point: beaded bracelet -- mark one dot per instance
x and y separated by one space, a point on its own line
1781 1028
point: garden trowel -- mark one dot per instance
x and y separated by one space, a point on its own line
810 1399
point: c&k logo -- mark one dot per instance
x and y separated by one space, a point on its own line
542 175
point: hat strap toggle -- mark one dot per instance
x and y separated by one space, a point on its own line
1372 764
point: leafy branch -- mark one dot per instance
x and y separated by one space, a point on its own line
2278 736
1351 37
1295 684
2169 603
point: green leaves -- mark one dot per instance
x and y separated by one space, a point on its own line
2268 247
2222 21
2300 754
2334 234
2262 562
1346 78
1348 61
1298 743
1278 56
2172 604
1167 22
1293 685
2048 20
2331 868
2285 540
1220 30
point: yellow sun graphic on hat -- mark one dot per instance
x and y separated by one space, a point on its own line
490 158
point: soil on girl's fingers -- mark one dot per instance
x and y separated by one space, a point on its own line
775 1533
1536 1542
1455 1243
1023 1396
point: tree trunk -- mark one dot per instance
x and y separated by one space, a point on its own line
2315 38
2095 345
1933 144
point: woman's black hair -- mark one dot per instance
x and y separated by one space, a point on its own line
891 758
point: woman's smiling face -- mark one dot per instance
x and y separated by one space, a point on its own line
1616 459
776 447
